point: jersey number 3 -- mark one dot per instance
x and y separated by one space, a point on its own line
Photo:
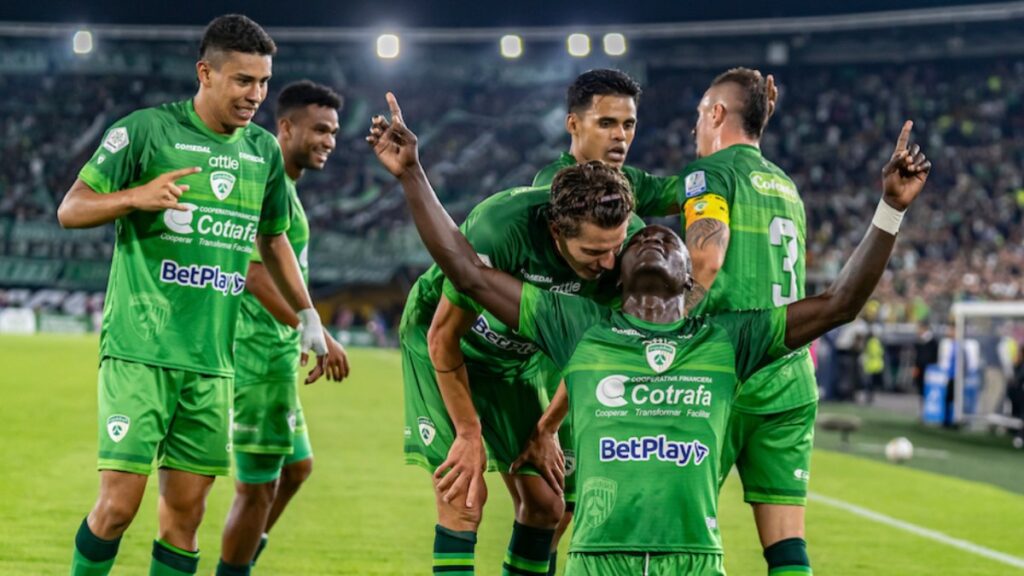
783 233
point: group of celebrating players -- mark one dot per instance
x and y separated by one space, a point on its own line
609 370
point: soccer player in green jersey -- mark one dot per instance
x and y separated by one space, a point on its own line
745 228
601 120
469 379
191 186
649 388
271 446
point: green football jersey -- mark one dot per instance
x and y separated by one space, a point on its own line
510 232
262 340
655 195
177 277
648 406
765 261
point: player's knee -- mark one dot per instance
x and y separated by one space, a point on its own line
455 515
257 495
113 515
541 510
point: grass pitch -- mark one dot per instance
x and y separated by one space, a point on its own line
365 513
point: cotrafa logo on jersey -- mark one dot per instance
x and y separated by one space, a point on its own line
202 276
644 448
773 185
651 400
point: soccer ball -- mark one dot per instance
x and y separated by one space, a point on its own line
899 450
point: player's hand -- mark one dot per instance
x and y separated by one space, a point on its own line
311 337
773 93
162 192
545 454
904 175
334 364
463 471
393 142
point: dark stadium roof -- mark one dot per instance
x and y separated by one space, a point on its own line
439 13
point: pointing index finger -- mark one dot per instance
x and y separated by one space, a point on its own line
396 111
901 142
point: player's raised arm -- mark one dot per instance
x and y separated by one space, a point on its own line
903 177
395 147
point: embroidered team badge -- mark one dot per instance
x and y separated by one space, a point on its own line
660 355
598 499
222 183
427 431
117 427
116 139
570 461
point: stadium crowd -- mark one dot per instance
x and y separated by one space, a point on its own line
831 133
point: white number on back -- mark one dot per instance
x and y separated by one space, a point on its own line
783 233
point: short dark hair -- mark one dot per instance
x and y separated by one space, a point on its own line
235 33
593 192
753 90
600 82
303 93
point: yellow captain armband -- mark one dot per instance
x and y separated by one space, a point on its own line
706 206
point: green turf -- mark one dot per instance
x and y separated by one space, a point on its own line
364 512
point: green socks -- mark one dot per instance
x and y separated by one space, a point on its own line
94 556
528 551
225 569
169 560
553 563
453 552
259 549
788 558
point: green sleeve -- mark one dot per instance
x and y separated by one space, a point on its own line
120 158
547 174
655 195
758 337
706 177
495 243
276 213
556 322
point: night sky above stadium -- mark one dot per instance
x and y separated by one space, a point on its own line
437 13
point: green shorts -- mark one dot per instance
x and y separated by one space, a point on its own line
267 416
508 406
772 453
181 418
644 564
252 468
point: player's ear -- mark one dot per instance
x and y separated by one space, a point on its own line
203 69
718 114
572 123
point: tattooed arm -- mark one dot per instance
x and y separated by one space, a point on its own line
707 239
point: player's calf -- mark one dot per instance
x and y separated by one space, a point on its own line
540 510
455 533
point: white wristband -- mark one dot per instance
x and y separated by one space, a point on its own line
888 218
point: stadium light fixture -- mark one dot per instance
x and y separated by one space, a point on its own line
614 44
81 42
511 46
578 44
387 46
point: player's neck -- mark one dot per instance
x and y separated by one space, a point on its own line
730 138
291 167
655 308
205 114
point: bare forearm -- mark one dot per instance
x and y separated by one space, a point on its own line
279 260
812 317
261 285
496 291
84 208
555 413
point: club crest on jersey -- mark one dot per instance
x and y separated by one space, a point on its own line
695 184
660 355
222 183
598 499
570 461
116 139
117 427
427 431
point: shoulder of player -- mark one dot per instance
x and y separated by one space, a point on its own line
512 206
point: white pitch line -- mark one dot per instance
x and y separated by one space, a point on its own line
971 547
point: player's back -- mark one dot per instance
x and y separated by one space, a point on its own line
764 264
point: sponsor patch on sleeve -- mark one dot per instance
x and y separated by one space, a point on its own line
708 206
695 184
116 139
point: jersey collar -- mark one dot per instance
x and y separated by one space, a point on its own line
198 123
654 326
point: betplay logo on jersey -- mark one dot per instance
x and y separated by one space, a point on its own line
660 354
